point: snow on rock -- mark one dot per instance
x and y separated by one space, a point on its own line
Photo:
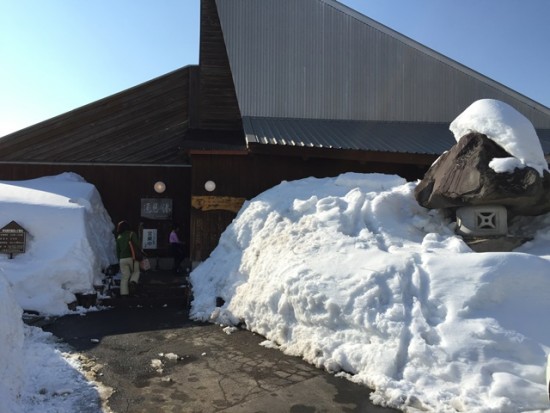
508 128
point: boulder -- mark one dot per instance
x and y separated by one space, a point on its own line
462 177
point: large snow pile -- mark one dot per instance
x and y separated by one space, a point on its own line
351 274
69 240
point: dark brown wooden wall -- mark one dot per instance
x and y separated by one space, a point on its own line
122 188
143 124
248 175
218 105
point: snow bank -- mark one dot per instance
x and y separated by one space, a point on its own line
11 346
351 274
69 240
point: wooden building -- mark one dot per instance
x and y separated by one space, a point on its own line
284 89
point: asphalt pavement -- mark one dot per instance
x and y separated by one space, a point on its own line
156 360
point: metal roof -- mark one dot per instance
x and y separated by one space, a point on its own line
319 59
404 137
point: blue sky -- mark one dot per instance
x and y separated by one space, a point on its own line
57 55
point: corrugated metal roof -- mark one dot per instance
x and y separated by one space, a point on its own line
319 59
402 137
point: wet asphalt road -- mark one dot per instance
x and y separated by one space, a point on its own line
156 360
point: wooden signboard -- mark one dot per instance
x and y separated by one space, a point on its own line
12 239
156 208
211 203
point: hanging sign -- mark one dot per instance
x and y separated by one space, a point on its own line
12 239
156 208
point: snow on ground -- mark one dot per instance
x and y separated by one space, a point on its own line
351 274
11 349
37 373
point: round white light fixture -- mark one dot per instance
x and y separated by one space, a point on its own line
209 186
160 187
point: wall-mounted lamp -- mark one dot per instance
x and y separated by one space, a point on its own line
159 187
209 186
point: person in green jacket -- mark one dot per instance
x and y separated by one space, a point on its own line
129 267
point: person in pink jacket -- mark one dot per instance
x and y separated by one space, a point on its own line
177 247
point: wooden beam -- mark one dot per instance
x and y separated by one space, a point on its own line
307 153
216 152
211 203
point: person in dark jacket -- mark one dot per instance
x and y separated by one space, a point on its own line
129 267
